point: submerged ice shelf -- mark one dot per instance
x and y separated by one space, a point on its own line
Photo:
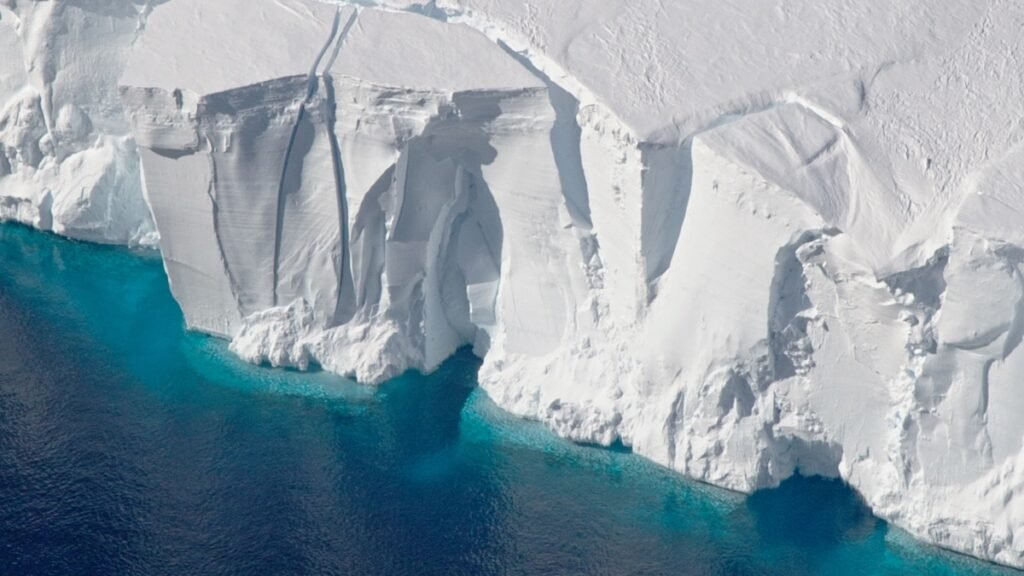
738 257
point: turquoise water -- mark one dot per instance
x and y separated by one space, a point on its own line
128 446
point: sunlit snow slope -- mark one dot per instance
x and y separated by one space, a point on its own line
740 237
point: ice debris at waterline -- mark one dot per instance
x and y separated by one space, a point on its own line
132 447
739 238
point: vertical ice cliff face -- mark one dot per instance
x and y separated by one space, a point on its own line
353 203
67 161
238 158
738 256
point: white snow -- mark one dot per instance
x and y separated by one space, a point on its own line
740 237
67 161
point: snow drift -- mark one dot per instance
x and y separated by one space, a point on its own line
739 256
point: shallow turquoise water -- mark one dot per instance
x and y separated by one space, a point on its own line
128 446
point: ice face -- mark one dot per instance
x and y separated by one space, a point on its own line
363 197
737 257
67 161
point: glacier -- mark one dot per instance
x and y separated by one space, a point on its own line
740 238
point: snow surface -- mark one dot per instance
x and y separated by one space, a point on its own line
740 237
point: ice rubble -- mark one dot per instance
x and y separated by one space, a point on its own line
740 237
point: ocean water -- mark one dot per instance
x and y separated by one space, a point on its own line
128 446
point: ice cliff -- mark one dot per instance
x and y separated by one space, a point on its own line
740 237
67 160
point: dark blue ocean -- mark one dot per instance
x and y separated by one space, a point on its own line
128 446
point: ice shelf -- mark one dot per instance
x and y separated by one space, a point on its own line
742 238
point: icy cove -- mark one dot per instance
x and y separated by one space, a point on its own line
738 256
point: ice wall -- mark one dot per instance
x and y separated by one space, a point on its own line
739 256
367 196
67 160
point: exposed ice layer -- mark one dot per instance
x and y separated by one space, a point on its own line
412 170
239 159
67 161
742 238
